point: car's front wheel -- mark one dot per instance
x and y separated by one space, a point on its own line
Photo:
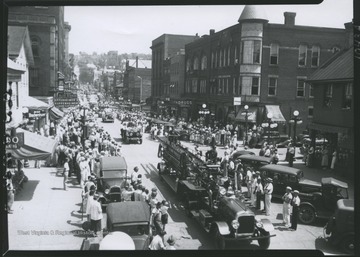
307 214
265 242
219 240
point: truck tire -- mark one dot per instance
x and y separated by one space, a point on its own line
219 240
347 244
265 242
307 214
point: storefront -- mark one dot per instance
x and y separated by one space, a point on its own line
37 115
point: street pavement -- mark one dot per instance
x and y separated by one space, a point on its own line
46 217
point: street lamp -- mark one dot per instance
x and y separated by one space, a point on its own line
204 111
269 125
296 120
141 85
246 107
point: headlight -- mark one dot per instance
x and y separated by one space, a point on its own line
258 223
235 224
107 191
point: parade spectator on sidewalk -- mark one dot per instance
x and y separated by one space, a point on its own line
291 154
325 157
158 242
248 181
164 213
156 214
66 172
134 175
295 211
268 189
287 198
259 193
253 189
171 242
95 215
10 192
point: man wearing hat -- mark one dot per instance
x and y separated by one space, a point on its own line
268 189
171 242
287 197
95 214
295 211
134 175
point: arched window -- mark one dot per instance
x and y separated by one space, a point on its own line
188 65
204 63
196 63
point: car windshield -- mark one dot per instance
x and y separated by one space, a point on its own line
114 174
132 230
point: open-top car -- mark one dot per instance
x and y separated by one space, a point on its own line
113 178
132 133
108 115
132 218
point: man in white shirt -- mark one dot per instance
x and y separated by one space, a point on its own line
134 175
287 197
158 241
268 189
95 215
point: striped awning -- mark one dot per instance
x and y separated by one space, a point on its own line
277 115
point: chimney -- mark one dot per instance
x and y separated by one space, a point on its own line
137 61
212 31
349 34
290 18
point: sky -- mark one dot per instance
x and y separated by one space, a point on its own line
131 29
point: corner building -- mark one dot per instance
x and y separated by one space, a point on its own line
264 64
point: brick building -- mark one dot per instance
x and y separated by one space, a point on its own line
47 31
334 107
265 64
168 73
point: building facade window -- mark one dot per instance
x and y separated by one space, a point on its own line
255 86
328 95
228 57
187 87
300 88
188 65
234 86
236 57
274 54
315 56
310 111
272 86
35 46
203 86
194 86
302 55
34 77
311 91
212 60
204 63
251 52
226 86
196 63
347 96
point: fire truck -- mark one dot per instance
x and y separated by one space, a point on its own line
207 196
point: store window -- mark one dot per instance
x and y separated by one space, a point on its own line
194 86
196 63
188 65
311 91
203 86
347 96
34 77
302 55
274 54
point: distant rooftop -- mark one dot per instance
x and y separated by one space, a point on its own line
141 63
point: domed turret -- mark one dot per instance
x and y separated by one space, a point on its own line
253 12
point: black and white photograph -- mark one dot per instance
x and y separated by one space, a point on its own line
180 127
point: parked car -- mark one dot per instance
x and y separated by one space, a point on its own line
340 229
254 161
322 204
108 115
132 218
237 154
113 178
284 176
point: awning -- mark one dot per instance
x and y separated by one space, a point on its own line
328 128
36 147
33 103
276 112
55 113
251 115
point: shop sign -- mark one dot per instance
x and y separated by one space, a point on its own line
66 99
14 142
36 114
183 102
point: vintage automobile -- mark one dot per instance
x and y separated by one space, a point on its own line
322 204
254 161
113 178
284 176
132 218
107 115
132 133
229 219
340 229
237 154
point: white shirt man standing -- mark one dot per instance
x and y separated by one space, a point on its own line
287 197
268 189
